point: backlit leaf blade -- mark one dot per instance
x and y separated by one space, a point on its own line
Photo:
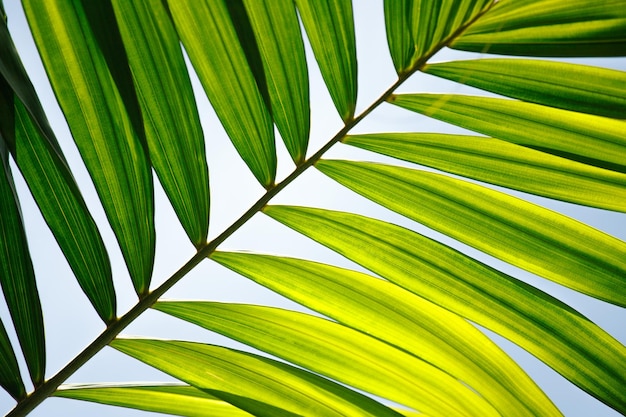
526 235
330 28
279 39
549 28
418 28
228 81
17 280
172 124
547 328
40 160
591 139
101 127
10 378
399 317
337 352
504 164
180 400
567 86
258 385
399 22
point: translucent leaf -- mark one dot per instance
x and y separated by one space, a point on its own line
330 28
180 400
573 87
591 139
38 156
547 328
228 81
337 352
418 28
261 386
105 134
526 235
172 125
549 28
401 318
279 39
503 164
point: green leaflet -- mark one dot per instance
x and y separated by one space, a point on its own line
399 317
418 28
228 81
179 400
172 125
573 87
17 280
279 39
105 134
261 386
547 328
330 28
37 154
549 28
503 164
337 352
591 139
10 378
528 236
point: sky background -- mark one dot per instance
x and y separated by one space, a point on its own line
70 321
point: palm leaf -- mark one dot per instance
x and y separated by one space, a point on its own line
123 76
103 130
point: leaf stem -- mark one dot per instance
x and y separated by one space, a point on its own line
48 388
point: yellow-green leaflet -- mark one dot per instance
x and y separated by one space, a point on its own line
263 387
337 352
563 85
279 39
35 150
228 81
552 28
504 164
170 117
329 26
416 28
176 399
552 331
586 138
398 317
514 230
94 94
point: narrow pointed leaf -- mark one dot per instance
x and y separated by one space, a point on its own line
549 28
102 129
337 352
17 280
398 317
547 328
399 22
418 28
329 26
504 164
173 399
258 385
17 277
172 124
567 252
37 154
591 139
228 81
573 87
279 38
10 378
